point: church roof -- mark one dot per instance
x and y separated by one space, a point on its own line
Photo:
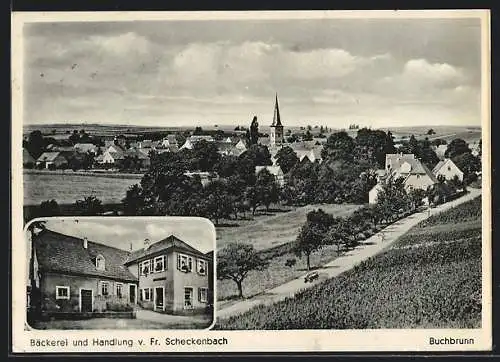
276 117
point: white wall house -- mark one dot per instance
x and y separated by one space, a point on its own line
448 169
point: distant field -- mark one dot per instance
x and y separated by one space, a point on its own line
69 188
418 283
269 231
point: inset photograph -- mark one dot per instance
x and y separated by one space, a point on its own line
120 273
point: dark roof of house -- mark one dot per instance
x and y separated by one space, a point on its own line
167 243
65 254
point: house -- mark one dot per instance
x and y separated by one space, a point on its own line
110 157
188 145
276 171
86 147
416 174
52 160
198 138
169 141
80 275
28 160
172 276
143 160
448 169
241 145
475 148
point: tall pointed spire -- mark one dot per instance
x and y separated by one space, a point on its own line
276 117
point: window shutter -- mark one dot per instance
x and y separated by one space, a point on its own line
199 294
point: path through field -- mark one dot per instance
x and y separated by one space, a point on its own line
365 250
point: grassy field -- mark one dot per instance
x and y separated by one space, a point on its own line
69 188
272 235
266 231
428 285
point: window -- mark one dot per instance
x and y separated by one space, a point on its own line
159 264
100 262
104 288
62 292
449 168
146 294
203 295
202 267
145 267
184 263
188 298
119 289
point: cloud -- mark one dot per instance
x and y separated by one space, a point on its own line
433 74
121 45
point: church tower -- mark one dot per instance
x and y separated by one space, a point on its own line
276 126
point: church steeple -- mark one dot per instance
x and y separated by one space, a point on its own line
276 126
276 117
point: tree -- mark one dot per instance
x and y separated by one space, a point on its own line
457 147
206 155
267 188
75 137
36 144
216 203
89 206
308 136
198 131
469 164
236 260
49 208
312 234
431 132
254 131
286 158
372 146
339 146
133 203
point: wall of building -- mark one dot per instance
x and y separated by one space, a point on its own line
450 173
157 279
418 182
49 281
190 279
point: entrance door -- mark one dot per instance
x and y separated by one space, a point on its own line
86 297
159 303
132 293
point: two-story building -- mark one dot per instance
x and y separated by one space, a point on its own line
73 275
172 276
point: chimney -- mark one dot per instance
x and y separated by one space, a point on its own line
85 242
146 243
130 246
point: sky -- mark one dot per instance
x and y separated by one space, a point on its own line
122 232
333 72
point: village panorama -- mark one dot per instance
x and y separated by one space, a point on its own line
295 209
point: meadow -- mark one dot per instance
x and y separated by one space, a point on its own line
273 237
282 226
68 188
428 285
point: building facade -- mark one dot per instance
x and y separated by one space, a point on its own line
70 274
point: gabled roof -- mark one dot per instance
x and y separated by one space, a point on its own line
85 147
273 170
440 165
139 153
170 242
61 253
49 156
